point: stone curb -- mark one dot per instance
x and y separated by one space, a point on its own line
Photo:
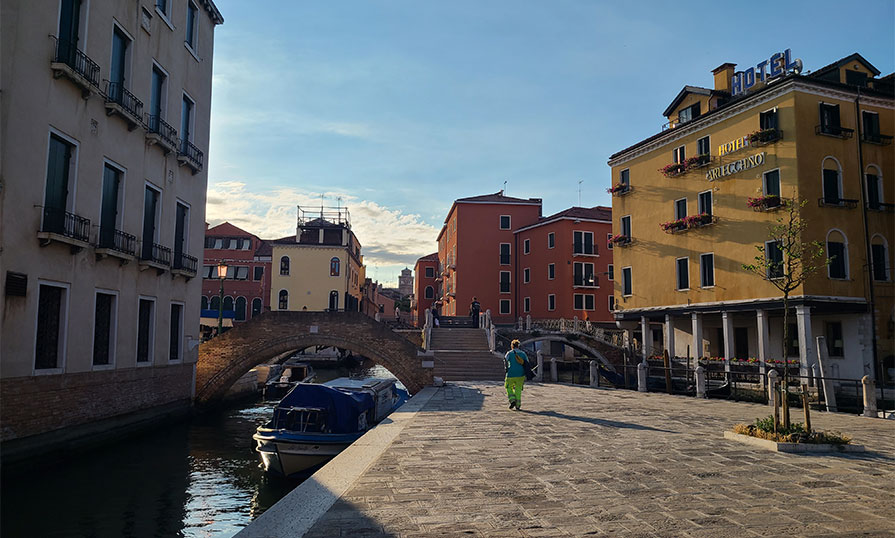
299 510
792 448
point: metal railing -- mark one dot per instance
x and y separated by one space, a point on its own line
837 202
154 252
117 93
766 136
186 263
881 206
67 224
193 154
117 240
585 248
876 138
834 130
68 53
155 124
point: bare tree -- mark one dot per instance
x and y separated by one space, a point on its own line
786 261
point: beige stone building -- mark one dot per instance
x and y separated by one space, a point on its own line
104 119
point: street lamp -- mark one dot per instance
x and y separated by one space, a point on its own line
222 274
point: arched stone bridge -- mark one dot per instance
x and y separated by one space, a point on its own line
610 355
226 358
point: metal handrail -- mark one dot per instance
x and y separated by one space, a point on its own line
117 93
114 239
154 252
876 138
834 130
191 152
155 124
580 248
186 263
837 202
67 224
68 53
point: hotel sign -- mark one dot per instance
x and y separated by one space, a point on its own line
777 65
733 145
736 166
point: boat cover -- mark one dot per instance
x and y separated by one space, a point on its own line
341 407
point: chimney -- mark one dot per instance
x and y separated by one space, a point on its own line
723 74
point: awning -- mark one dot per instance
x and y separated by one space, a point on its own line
213 322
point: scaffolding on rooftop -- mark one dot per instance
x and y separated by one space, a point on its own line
323 216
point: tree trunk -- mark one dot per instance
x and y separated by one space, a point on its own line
785 392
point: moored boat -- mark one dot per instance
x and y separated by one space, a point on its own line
282 378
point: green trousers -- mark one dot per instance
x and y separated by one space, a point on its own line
514 389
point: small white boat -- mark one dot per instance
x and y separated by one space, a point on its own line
313 423
282 378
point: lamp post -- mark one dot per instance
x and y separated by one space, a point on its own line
222 274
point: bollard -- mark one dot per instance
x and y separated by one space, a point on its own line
575 324
539 375
700 382
773 379
553 376
869 396
528 322
491 339
806 407
519 324
642 370
824 363
594 374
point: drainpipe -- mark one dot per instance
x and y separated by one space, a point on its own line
877 368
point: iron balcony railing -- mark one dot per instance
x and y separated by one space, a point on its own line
155 124
585 248
837 202
192 153
876 138
834 130
186 263
68 53
504 259
153 252
117 93
67 224
117 240
881 206
586 281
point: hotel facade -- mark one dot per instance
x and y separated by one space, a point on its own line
691 203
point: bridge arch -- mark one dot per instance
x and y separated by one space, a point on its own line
226 358
576 344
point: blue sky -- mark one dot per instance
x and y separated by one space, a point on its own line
399 107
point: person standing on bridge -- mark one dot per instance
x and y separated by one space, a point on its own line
474 310
515 379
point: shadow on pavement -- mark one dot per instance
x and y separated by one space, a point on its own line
597 421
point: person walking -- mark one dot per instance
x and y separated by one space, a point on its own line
474 309
515 379
397 314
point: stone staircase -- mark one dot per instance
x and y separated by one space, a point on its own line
461 354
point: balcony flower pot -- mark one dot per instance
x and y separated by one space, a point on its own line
764 136
765 203
619 188
674 226
673 170
695 221
620 240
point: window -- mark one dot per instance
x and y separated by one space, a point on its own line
837 252
228 303
833 334
609 241
855 78
151 210
611 303
688 114
241 304
526 275
187 116
551 240
104 328
430 292
703 146
258 273
771 183
680 208
181 233
626 281
683 273
504 306
774 256
504 222
209 271
768 120
551 271
334 266
829 119
874 188
284 300
792 348
51 323
706 270
526 304
215 303
204 303
504 254
871 126
610 272
583 302
678 155
526 246
118 67
164 8
626 226
176 341
157 98
256 306
705 203
60 170
551 302
583 243
242 273
504 282
192 19
584 275
879 258
832 187
145 330
430 272
624 177
284 266
109 210
69 35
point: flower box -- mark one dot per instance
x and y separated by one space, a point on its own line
673 170
774 446
619 189
764 137
696 221
620 240
765 203
674 226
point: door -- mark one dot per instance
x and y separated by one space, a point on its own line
69 21
55 202
150 203
179 233
741 343
108 220
116 70
334 300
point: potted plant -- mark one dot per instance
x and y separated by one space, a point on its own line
618 188
674 225
764 136
673 169
620 239
770 201
695 221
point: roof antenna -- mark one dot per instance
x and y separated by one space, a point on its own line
503 192
580 181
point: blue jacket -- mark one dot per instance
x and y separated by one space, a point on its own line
514 369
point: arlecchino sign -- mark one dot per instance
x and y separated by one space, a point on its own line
736 166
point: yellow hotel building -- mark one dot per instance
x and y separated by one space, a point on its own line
320 267
691 203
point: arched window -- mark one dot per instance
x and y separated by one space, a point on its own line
256 306
837 253
240 309
215 303
430 292
334 266
284 266
832 182
228 303
284 300
879 258
334 300
204 303
874 187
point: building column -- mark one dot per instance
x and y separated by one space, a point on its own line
696 348
727 328
761 317
803 318
646 336
669 335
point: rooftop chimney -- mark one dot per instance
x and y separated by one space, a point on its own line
723 73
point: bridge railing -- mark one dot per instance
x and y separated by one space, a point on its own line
612 337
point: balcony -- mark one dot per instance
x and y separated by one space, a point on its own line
847 203
584 249
71 63
585 281
190 155
881 207
159 132
117 244
834 130
121 102
770 202
185 265
64 227
155 256
621 240
620 189
876 138
765 137
504 259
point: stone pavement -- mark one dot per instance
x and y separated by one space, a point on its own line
580 461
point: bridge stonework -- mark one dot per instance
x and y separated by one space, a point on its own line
226 358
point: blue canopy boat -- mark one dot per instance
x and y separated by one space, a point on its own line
313 423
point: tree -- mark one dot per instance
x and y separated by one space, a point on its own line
786 261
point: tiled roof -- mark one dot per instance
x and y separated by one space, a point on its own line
227 229
264 248
288 239
683 93
499 197
429 258
590 213
839 63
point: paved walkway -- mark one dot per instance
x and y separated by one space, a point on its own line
580 461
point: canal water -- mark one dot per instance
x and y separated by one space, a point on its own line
198 478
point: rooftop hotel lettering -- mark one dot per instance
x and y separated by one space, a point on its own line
736 166
777 65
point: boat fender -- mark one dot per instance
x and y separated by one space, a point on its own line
362 422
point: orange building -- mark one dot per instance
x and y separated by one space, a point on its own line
564 267
424 287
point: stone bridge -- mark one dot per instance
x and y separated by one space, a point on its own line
610 355
228 357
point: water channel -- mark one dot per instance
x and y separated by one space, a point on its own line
197 478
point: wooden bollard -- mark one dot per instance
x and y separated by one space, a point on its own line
806 407
667 361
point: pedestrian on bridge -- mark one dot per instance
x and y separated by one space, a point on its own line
515 378
474 310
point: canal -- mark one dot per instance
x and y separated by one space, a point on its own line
196 478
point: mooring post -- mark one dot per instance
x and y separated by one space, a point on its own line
773 379
642 371
594 374
823 361
491 338
869 396
666 361
806 407
528 322
553 376
539 375
700 382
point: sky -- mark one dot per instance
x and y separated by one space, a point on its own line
395 108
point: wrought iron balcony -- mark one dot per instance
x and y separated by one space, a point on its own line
112 239
837 202
159 131
119 100
190 155
156 254
64 224
876 138
881 206
765 137
186 264
74 64
834 130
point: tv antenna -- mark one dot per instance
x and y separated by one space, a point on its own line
580 181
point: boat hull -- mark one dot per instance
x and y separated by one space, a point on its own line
289 457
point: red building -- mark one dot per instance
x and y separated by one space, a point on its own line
564 266
425 287
248 259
